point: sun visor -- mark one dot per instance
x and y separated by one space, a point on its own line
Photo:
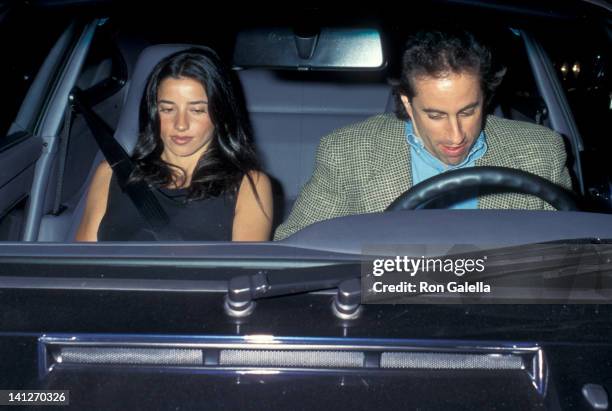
325 49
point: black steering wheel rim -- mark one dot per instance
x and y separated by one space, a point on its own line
500 178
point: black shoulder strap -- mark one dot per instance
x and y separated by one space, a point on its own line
143 198
62 153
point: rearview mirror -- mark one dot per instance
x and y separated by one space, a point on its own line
329 49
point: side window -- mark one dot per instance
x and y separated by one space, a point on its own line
583 62
23 54
517 97
581 57
104 71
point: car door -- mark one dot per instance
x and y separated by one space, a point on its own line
30 152
29 73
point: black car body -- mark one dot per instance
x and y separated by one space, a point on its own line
164 326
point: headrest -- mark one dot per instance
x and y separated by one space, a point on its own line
127 127
281 92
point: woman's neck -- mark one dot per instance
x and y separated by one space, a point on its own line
187 164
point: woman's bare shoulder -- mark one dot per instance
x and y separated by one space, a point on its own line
95 207
259 178
102 175
254 208
104 169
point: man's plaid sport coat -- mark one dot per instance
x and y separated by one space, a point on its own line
363 167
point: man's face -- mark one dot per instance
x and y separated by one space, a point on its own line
446 114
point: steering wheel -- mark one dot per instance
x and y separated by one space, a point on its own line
501 179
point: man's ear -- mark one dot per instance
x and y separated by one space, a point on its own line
407 105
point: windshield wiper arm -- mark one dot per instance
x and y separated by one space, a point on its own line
244 290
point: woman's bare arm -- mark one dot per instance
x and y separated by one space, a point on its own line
253 219
95 208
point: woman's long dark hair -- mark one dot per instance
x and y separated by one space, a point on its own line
230 154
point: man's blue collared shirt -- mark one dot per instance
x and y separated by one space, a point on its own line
426 165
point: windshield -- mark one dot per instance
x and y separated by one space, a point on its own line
295 207
318 103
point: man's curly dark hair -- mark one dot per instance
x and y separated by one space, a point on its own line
436 53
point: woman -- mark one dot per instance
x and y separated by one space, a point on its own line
195 153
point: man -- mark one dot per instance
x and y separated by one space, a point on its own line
440 124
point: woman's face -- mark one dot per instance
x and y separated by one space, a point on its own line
185 126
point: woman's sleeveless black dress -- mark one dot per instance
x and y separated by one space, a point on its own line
202 220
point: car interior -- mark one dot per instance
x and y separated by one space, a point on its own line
295 323
290 109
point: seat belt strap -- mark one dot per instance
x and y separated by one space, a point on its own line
63 152
139 193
